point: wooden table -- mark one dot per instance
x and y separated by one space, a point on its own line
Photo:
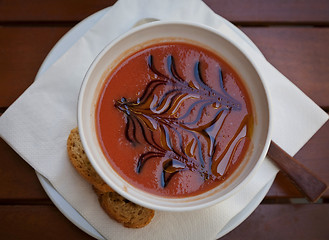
294 37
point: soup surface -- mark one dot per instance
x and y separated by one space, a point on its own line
174 119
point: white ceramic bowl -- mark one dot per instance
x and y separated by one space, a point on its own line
206 37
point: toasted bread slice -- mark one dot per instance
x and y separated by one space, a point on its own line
82 164
124 211
117 207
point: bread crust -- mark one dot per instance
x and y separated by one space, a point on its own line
81 162
124 211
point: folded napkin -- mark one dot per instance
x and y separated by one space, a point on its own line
37 125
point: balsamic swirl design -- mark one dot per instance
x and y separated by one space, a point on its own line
163 123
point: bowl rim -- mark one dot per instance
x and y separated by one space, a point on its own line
125 193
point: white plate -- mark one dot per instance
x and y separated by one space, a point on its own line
58 50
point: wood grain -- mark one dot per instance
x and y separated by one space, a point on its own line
283 221
37 222
301 54
22 52
47 10
18 180
247 11
272 12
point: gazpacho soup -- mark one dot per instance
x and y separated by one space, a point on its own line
174 119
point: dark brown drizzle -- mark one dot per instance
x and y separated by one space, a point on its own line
155 118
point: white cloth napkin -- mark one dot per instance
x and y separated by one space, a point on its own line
37 125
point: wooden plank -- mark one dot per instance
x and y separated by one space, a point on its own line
284 222
22 51
37 222
59 10
272 12
292 50
301 54
248 11
315 156
269 221
18 180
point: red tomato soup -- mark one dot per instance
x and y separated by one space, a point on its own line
174 119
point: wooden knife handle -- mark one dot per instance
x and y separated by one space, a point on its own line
307 182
